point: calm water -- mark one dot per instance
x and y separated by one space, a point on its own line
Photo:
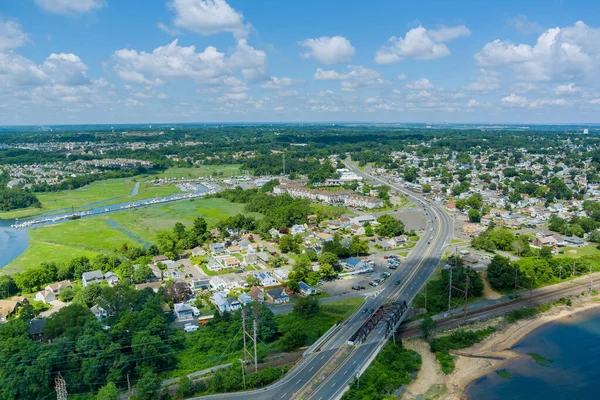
13 242
572 345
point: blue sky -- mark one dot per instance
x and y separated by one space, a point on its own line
127 61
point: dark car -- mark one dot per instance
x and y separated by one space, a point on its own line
398 282
371 310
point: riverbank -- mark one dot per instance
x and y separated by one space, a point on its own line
484 358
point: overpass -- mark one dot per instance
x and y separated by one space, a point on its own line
325 374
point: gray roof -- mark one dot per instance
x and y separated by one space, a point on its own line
92 275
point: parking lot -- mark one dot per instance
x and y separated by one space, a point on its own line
345 284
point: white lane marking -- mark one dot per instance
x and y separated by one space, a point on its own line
311 369
354 363
299 380
284 395
346 371
334 383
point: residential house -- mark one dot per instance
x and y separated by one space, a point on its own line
234 304
157 259
265 278
231 262
545 241
99 312
252 248
198 251
199 284
183 310
355 200
297 230
58 287
214 265
281 274
245 299
250 258
217 248
234 249
156 272
8 308
218 283
274 233
306 289
354 263
219 299
363 219
574 241
91 277
257 293
152 285
45 296
278 296
111 278
263 258
357 229
324 237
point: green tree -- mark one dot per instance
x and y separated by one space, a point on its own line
185 387
307 307
428 327
108 392
389 226
474 215
148 386
328 258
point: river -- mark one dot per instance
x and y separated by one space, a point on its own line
13 242
570 368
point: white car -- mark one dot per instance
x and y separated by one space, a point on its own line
190 328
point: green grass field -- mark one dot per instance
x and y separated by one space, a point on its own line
92 236
115 191
574 252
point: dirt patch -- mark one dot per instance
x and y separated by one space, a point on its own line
488 292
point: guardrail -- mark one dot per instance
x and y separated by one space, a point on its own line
316 345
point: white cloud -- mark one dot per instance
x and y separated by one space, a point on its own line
11 35
401 77
168 30
357 77
595 101
420 84
70 7
559 53
514 101
525 87
423 94
485 82
523 25
278 83
208 17
174 61
561 90
66 68
328 50
538 103
373 100
421 44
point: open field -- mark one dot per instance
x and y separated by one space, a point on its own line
572 252
113 191
105 233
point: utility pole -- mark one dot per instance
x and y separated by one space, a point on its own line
243 374
450 291
252 337
61 387
283 164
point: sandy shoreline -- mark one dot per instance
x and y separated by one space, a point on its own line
432 381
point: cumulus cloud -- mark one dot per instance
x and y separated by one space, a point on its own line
70 7
558 54
11 35
420 84
401 77
355 78
561 90
539 103
278 83
514 101
175 61
485 82
421 44
328 50
208 17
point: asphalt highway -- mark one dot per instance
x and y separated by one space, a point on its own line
326 374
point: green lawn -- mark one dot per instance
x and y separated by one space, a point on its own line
91 236
573 252
114 191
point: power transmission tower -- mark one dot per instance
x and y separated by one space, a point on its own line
252 336
61 387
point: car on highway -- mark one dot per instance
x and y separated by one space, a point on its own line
398 282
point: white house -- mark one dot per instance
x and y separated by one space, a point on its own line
91 277
266 279
214 265
297 230
219 299
45 296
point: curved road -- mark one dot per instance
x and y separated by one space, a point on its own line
325 374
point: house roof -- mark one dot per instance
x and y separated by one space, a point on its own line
276 293
305 286
92 275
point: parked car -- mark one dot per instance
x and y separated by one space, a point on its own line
385 275
358 287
